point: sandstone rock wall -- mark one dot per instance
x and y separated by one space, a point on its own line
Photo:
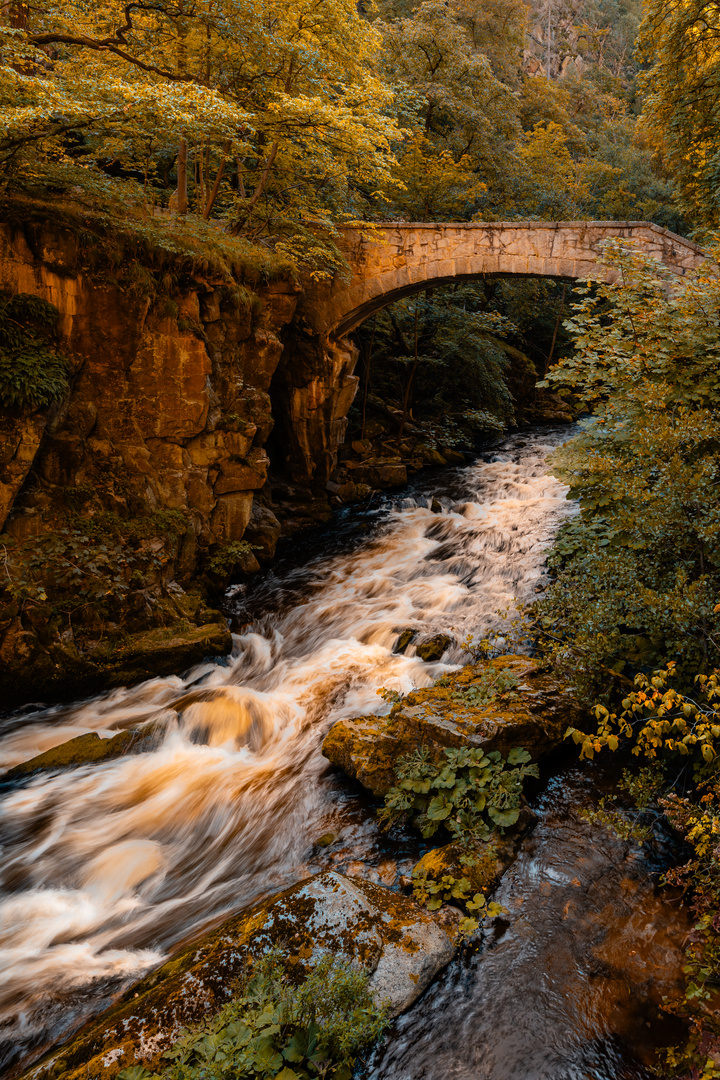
170 404
312 392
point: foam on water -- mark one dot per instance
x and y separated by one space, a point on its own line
104 868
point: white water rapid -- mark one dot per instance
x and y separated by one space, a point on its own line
104 868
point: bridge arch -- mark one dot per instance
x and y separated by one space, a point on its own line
405 258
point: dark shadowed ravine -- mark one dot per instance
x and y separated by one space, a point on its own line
105 869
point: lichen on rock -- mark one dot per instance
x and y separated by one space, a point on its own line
534 715
400 944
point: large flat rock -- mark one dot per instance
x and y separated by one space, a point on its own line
400 944
534 714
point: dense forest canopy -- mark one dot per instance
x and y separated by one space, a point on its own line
258 126
272 116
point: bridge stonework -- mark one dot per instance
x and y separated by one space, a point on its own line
404 258
315 385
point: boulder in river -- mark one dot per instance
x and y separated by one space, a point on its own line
88 749
533 713
400 944
433 648
489 859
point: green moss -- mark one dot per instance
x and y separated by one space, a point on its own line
148 255
534 713
87 749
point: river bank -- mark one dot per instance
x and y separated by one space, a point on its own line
113 866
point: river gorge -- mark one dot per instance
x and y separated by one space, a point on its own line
106 869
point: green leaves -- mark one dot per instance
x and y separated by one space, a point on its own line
277 1028
33 373
438 808
304 1044
467 792
637 572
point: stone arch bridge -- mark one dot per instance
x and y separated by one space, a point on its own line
404 258
315 385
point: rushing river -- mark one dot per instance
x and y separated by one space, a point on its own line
104 869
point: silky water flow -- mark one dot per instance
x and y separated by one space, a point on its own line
105 868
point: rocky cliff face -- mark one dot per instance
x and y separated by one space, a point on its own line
169 407
169 411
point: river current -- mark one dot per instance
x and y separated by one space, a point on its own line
105 869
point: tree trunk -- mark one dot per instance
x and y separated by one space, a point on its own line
182 190
216 186
368 360
408 388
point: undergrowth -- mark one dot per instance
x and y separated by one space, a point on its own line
33 371
274 1027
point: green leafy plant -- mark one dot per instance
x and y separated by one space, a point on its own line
643 787
469 793
637 572
661 722
227 557
433 892
490 685
275 1027
32 370
91 562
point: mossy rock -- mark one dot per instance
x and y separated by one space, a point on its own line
34 670
535 715
89 749
405 639
490 859
399 943
433 648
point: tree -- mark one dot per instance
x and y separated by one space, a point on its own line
639 569
462 107
680 40
275 113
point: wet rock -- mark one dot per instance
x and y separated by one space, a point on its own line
163 651
401 945
433 648
534 715
326 840
381 474
89 749
68 667
490 859
432 456
263 532
436 506
549 408
453 457
405 638
387 872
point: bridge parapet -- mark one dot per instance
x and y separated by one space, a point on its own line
407 257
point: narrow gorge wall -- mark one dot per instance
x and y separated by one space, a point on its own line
169 406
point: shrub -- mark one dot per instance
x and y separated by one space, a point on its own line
32 371
470 794
277 1028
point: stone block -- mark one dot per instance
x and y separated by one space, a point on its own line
231 516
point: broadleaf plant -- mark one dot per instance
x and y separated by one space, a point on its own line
469 793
